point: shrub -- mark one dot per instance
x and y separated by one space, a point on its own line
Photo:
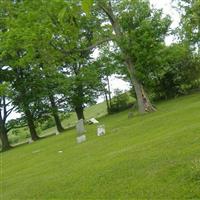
48 123
121 101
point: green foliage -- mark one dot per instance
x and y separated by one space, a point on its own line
14 139
144 33
190 21
180 72
86 4
48 123
4 88
121 101
18 135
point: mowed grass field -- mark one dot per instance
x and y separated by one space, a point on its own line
154 156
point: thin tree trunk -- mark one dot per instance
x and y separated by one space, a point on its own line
79 112
107 103
4 138
109 91
31 125
144 103
55 114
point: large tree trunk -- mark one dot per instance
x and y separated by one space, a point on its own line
144 103
4 138
55 114
80 112
31 124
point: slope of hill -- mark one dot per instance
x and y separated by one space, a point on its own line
97 111
154 156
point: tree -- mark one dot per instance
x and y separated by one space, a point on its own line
190 21
108 64
124 17
84 88
179 71
73 39
31 53
5 110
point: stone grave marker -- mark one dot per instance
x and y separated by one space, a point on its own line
80 129
101 130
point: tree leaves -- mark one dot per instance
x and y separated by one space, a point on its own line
86 5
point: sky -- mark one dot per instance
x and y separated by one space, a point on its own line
167 7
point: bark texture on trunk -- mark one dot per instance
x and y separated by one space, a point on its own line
109 91
4 113
144 104
4 138
80 112
107 103
55 114
31 124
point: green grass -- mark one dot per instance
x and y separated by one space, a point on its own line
154 156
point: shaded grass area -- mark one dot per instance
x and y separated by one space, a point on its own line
154 156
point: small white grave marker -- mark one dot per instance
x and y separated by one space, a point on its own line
101 130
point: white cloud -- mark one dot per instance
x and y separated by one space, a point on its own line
168 8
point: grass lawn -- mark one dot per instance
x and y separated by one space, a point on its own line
154 156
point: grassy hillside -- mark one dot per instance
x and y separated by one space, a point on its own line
96 111
155 156
23 134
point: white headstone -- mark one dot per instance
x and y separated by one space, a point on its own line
80 131
80 127
101 130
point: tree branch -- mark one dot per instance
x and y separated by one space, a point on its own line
9 111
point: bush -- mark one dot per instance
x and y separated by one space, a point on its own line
120 102
13 139
48 123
